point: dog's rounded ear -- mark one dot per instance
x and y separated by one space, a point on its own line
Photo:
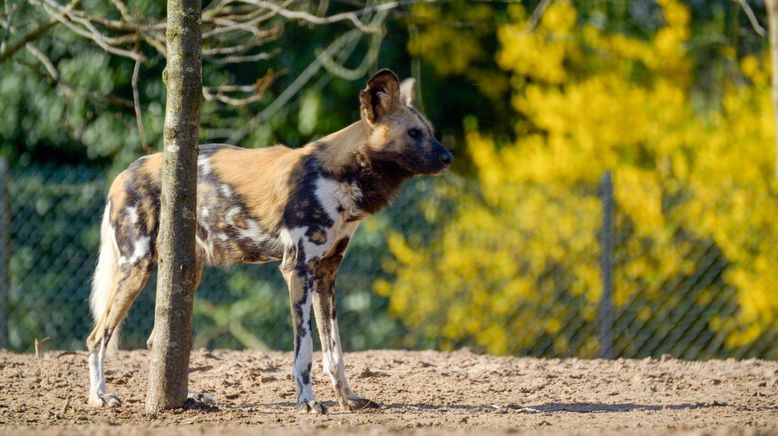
380 97
408 91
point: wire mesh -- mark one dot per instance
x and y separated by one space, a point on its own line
54 236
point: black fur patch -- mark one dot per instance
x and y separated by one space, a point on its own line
379 176
142 194
304 209
306 375
340 247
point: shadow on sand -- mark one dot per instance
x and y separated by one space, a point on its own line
560 407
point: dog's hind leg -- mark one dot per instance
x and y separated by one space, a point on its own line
327 323
128 285
116 285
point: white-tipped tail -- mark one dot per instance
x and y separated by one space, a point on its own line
102 283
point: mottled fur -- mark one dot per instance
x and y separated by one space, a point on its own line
300 206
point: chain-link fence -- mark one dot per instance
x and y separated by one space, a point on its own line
612 289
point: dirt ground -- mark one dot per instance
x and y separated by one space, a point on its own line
421 392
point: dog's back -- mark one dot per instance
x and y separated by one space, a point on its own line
240 197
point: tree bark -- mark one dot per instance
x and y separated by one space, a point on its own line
772 17
169 369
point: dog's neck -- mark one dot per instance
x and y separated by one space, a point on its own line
337 149
347 157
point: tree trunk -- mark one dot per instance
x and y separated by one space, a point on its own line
169 369
772 15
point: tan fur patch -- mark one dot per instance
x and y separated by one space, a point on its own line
339 147
117 195
262 177
152 165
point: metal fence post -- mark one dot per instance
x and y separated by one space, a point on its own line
605 312
5 245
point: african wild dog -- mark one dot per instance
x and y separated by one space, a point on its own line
300 206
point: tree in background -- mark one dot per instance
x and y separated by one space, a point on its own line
105 59
516 264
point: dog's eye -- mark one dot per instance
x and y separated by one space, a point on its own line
414 133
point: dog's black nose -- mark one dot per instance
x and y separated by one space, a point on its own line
447 157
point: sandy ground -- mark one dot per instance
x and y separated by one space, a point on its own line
421 392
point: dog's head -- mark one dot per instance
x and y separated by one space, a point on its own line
398 131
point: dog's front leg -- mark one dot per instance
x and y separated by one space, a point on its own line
327 323
299 277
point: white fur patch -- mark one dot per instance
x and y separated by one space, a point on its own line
253 232
132 215
305 354
229 216
205 165
207 246
290 239
96 372
332 194
141 249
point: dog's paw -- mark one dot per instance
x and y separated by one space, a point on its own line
314 407
358 403
201 398
104 400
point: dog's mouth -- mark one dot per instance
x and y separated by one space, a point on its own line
439 171
441 162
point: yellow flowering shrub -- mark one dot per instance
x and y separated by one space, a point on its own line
515 267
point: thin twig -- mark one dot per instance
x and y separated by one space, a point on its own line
6 24
67 19
136 99
245 58
38 345
33 35
292 89
122 8
257 90
537 14
237 49
43 59
341 71
752 18
353 17
52 74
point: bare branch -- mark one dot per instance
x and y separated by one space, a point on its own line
341 71
353 17
32 36
6 24
292 89
123 11
136 99
43 59
53 75
240 48
257 90
537 14
64 16
245 58
752 18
